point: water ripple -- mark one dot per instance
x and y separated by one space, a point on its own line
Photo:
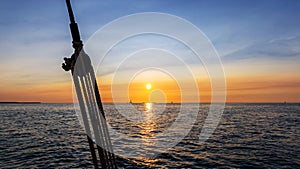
248 135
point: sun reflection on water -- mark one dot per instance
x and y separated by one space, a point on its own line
148 107
148 128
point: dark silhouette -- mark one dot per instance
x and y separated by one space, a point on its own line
89 99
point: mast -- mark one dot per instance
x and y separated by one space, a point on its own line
73 25
76 41
89 99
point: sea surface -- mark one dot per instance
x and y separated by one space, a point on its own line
248 136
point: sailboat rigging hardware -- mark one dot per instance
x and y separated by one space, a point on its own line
89 99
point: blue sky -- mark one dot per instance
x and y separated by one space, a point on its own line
35 34
232 22
229 24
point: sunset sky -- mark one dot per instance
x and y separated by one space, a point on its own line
258 42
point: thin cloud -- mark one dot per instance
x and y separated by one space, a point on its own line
281 48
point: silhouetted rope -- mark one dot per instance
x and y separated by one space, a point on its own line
89 100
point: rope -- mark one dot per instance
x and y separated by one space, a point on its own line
89 100
92 110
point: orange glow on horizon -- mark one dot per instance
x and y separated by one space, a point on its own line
45 93
278 88
159 92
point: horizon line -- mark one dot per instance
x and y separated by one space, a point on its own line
39 102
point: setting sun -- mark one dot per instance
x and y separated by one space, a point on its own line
148 86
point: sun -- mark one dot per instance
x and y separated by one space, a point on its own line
148 86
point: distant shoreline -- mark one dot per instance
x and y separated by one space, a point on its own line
157 103
20 102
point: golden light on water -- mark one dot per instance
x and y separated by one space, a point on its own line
148 107
148 128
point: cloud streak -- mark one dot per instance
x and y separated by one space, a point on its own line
282 48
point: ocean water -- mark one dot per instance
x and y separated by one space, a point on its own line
248 135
